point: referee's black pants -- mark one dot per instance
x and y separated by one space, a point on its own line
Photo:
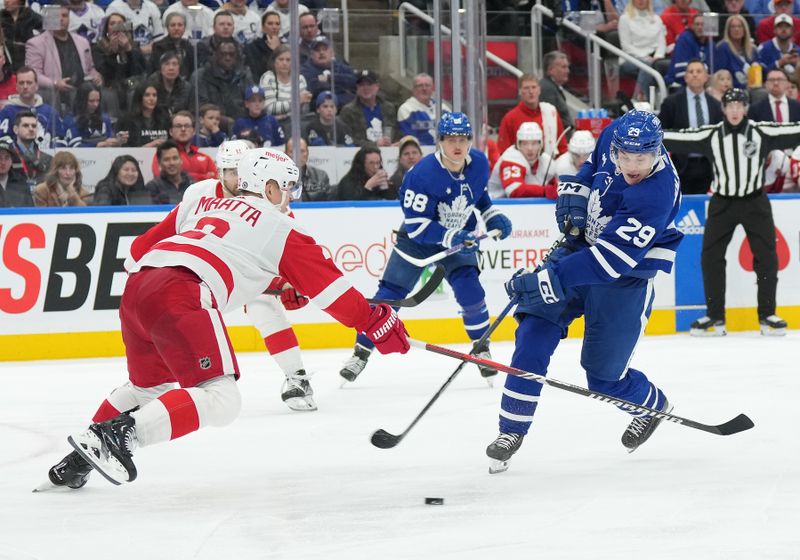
754 212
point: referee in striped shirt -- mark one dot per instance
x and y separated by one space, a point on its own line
737 148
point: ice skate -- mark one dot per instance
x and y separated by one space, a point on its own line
706 326
487 372
501 451
773 326
356 363
108 447
641 428
297 392
70 474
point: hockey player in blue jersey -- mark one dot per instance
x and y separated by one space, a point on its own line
439 196
623 201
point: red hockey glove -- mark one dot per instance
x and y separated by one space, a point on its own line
386 330
292 300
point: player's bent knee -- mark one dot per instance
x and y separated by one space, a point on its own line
223 401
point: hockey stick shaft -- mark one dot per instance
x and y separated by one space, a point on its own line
443 254
737 424
555 147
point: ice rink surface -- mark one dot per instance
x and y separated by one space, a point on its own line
282 484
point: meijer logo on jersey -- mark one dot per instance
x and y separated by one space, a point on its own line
690 224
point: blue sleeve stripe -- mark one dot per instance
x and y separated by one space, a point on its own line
622 255
604 263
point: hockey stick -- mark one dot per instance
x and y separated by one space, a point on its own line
444 254
411 301
383 439
552 156
739 424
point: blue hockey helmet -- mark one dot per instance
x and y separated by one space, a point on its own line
454 124
638 132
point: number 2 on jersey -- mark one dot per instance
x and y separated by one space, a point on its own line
642 236
206 225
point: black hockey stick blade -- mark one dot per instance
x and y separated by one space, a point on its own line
738 424
384 440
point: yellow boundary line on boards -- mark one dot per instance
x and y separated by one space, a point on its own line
326 335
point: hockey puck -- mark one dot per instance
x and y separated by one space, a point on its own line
434 501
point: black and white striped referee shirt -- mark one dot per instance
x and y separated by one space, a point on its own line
737 154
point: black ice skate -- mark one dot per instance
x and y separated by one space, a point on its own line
641 428
297 392
70 474
706 326
108 447
356 363
487 372
773 326
501 450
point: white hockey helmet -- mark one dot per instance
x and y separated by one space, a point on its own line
529 131
229 153
582 142
261 165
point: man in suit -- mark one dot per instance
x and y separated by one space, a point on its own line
691 107
776 107
556 70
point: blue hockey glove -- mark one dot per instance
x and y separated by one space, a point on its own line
499 221
571 204
535 288
471 245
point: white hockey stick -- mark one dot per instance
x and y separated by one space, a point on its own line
446 253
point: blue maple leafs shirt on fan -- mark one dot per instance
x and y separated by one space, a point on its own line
623 201
440 197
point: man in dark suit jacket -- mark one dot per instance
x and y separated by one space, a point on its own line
14 191
690 107
556 70
777 107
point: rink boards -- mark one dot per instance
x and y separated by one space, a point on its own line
61 275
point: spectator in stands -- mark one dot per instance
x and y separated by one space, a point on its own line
62 60
258 52
781 52
146 123
691 107
777 106
326 126
246 23
201 20
641 34
316 184
416 115
677 19
282 8
87 126
277 85
408 154
8 80
123 185
174 92
794 87
19 23
28 100
257 118
173 41
735 8
530 109
170 184
721 81
372 120
767 26
556 70
14 192
523 171
735 52
145 19
581 145
198 165
366 179
222 79
691 44
318 68
118 58
63 184
209 134
223 29
309 29
30 160
85 18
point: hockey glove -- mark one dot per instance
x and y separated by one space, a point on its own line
292 300
467 238
501 222
535 288
571 204
386 330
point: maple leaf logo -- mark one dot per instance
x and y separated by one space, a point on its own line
455 215
595 224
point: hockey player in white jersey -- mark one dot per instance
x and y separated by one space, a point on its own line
580 147
209 255
266 312
523 171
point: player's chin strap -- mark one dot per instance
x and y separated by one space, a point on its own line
462 163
